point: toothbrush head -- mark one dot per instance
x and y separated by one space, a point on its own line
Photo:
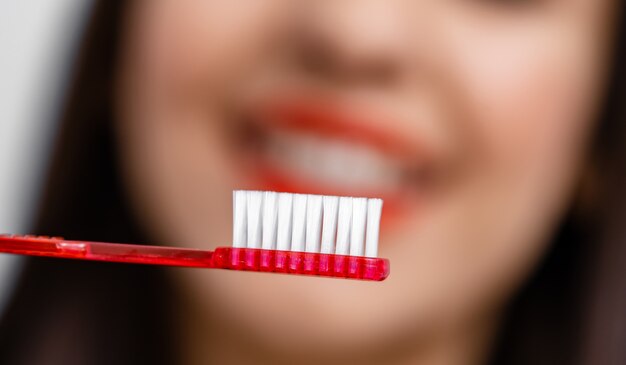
305 234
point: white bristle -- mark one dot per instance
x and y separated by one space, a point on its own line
254 209
283 236
239 218
313 223
344 221
306 223
374 210
329 224
299 222
270 220
357 231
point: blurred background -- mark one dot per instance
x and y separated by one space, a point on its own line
429 105
37 39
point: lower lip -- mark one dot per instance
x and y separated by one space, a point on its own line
262 175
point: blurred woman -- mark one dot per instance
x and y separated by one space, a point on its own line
490 128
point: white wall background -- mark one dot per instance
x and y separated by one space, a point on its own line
36 42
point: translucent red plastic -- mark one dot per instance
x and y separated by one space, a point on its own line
289 262
301 263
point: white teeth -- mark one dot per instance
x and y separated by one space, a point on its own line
306 223
333 161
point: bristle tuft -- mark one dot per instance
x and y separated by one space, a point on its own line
313 223
270 220
299 222
306 223
254 206
344 223
285 206
357 229
329 224
239 219
374 210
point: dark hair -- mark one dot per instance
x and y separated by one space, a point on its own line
571 311
70 312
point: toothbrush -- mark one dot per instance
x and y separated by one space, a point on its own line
272 232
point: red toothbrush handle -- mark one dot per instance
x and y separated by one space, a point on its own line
246 259
109 252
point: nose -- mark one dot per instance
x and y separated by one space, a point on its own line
351 42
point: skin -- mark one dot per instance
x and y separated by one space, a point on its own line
504 93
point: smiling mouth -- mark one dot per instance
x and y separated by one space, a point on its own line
310 147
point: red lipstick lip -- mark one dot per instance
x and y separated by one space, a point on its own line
330 119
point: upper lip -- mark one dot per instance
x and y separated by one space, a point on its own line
419 162
353 123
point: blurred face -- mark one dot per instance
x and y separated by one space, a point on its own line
469 118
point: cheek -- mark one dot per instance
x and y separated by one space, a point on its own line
524 103
529 96
177 155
